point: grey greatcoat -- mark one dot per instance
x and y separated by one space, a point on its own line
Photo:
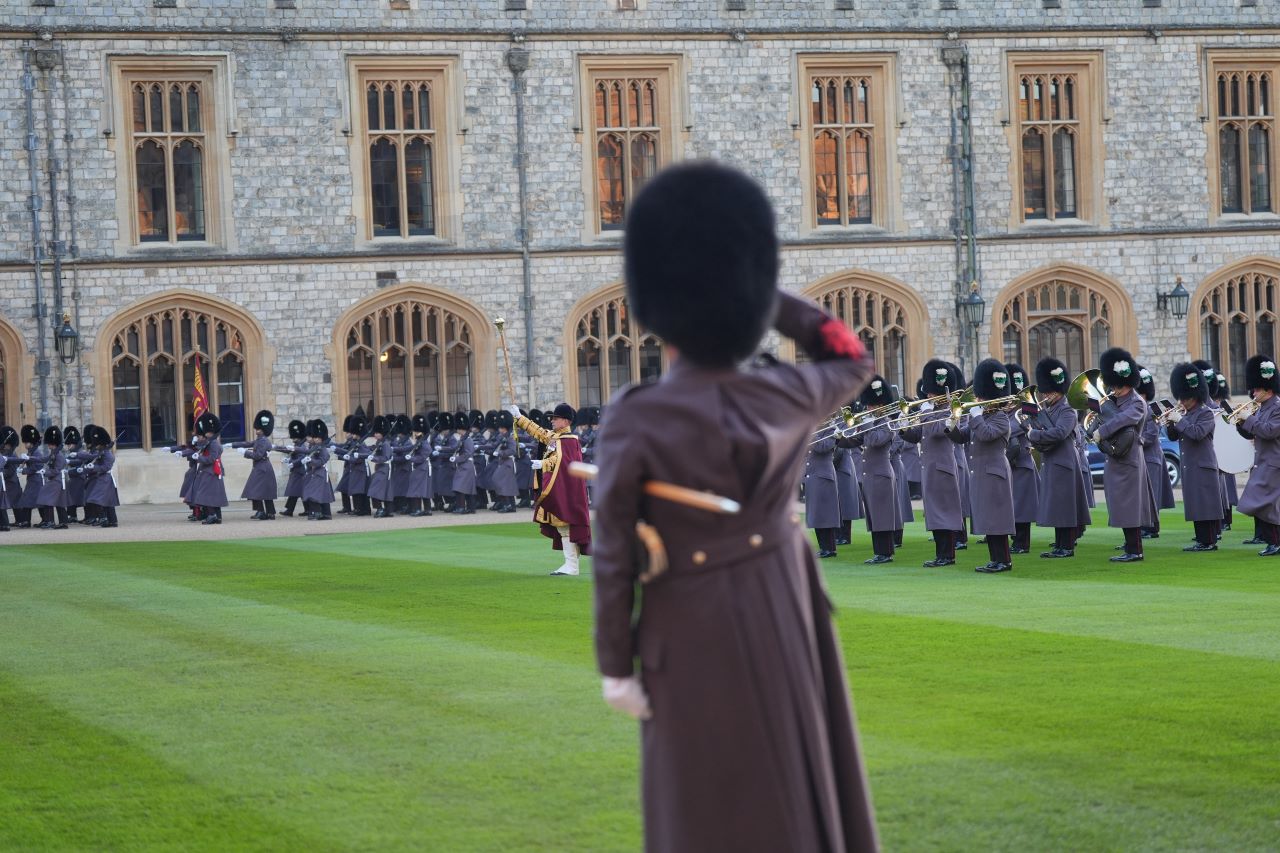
1153 454
420 485
939 478
962 477
905 511
315 481
990 480
1261 495
53 480
30 497
503 467
464 472
911 462
189 454
380 479
9 482
293 486
355 469
1063 502
1201 479
847 487
750 746
524 461
99 487
76 460
441 467
879 485
261 485
1082 451
207 488
1026 476
1129 499
1229 496
401 449
480 459
821 492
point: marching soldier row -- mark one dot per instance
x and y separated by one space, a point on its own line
64 471
1008 458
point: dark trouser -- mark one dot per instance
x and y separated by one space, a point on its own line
52 515
318 509
1133 540
1206 532
826 538
22 515
110 513
346 504
92 512
1267 532
4 519
360 504
106 513
1022 535
1064 538
897 538
1226 520
962 535
882 543
944 544
378 505
998 548
1079 534
846 531
289 505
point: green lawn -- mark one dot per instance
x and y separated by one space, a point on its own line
434 690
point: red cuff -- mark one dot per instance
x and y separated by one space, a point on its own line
837 340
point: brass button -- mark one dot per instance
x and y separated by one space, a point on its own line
699 557
756 540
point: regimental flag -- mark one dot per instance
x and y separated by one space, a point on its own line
200 405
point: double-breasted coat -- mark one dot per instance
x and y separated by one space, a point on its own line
848 490
939 477
355 468
750 746
503 467
207 487
401 449
1201 479
261 484
905 511
76 460
441 467
879 484
464 472
315 479
1129 499
1261 495
33 468
990 479
380 480
1026 476
1153 455
821 492
293 463
420 485
100 487
53 479
188 453
1063 502
9 488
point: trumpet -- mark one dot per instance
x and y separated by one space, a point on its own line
1241 412
1166 411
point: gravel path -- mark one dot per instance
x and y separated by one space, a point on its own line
168 522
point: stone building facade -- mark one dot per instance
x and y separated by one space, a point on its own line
931 176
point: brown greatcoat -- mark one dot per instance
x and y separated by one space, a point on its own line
752 745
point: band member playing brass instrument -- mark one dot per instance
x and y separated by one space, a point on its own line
1153 452
939 484
1026 476
1051 429
1130 505
1192 426
1261 495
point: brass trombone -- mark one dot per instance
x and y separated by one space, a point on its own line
1026 395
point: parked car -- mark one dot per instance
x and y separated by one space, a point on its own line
1172 460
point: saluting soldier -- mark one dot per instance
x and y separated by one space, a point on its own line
100 491
1153 454
293 464
1192 425
821 491
260 489
1130 505
939 483
1063 503
1026 476
1261 495
986 431
749 744
879 484
207 488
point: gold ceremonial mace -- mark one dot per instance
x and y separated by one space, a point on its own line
511 382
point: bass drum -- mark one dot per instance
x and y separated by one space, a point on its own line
1235 452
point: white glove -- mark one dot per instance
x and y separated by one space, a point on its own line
926 407
25 458
627 695
89 467
537 464
514 410
78 470
952 423
1175 416
453 459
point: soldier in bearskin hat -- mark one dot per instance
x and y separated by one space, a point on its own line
317 491
1026 476
1130 505
1211 378
879 481
527 448
1051 429
380 491
52 500
1261 495
1153 453
821 489
479 440
260 489
987 431
33 457
442 448
419 458
1192 425
9 486
848 490
503 464
701 262
462 455
354 455
73 449
960 449
100 487
293 463
939 476
208 489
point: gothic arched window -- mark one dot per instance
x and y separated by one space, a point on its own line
610 350
1236 318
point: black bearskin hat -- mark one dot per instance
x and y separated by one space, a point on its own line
1146 384
208 422
546 420
433 419
700 257
403 425
91 433
30 435
564 410
957 377
1119 368
1018 380
1224 389
990 380
265 421
421 424
1052 375
317 429
379 425
71 435
935 378
444 422
491 419
920 389
535 415
297 429
461 420
1210 376
1188 382
876 393
505 421
8 437
475 418
53 436
359 423
1259 373
348 423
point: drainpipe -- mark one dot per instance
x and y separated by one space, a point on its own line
37 250
518 62
964 226
47 60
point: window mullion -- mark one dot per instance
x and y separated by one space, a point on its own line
442 375
403 181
